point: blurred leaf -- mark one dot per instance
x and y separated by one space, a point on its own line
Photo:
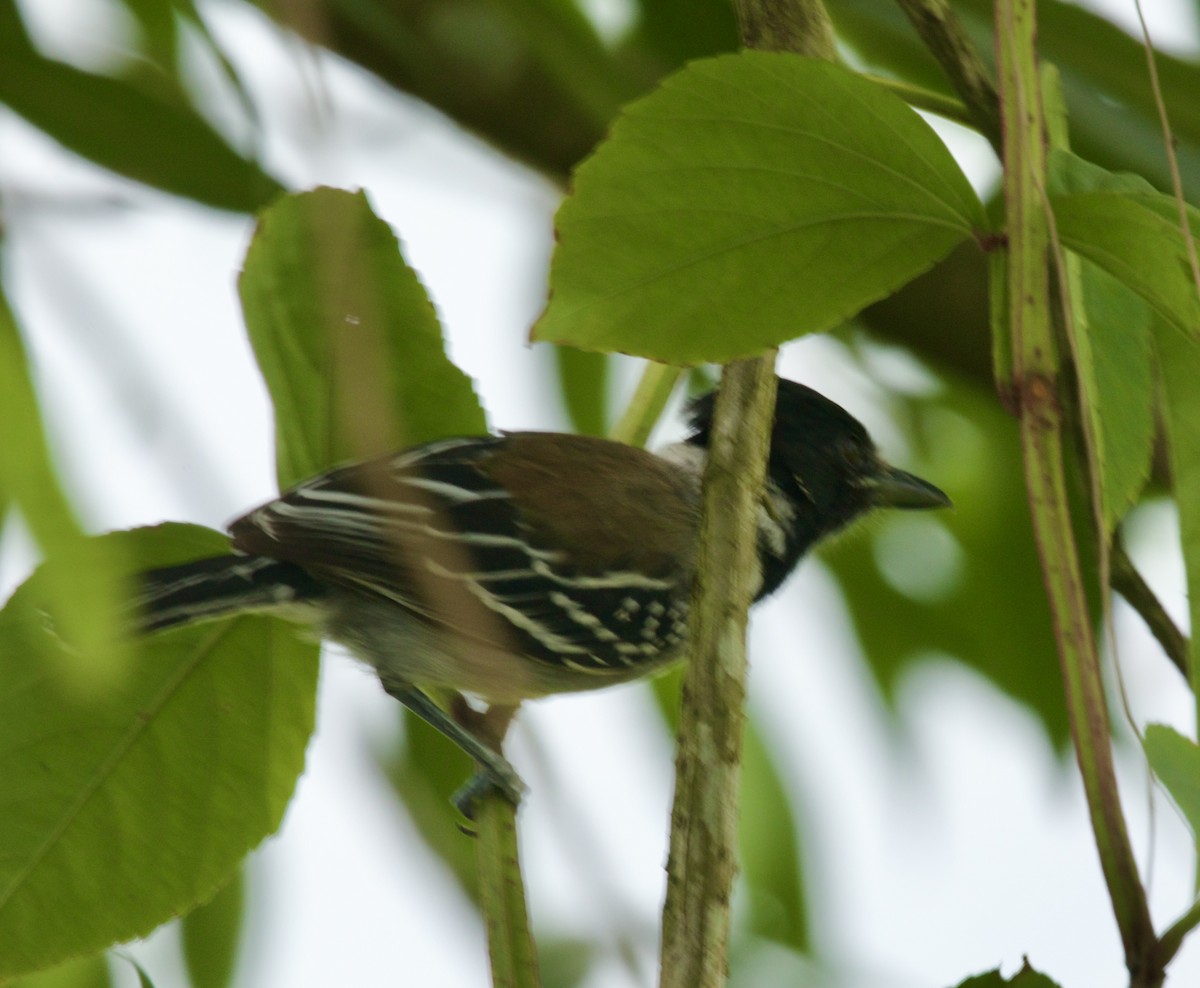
211 933
82 593
425 772
133 803
1108 62
681 30
1176 761
883 38
583 378
1179 370
160 39
1131 231
346 337
563 42
1027 977
121 128
144 980
768 843
564 963
752 199
86 972
1113 117
530 77
950 584
159 21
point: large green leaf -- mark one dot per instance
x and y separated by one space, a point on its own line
753 198
1123 225
129 804
122 128
346 337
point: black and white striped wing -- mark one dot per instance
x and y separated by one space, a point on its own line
433 531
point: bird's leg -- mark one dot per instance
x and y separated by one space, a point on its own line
479 738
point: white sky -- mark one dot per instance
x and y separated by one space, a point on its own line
934 854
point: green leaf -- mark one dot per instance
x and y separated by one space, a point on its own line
1123 225
564 962
1115 362
1176 761
130 804
120 127
81 597
752 199
1179 370
85 972
346 337
1027 977
211 933
583 377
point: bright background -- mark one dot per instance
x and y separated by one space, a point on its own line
945 840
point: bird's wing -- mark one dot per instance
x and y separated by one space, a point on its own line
476 525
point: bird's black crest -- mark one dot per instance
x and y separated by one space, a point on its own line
800 412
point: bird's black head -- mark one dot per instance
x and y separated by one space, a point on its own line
826 471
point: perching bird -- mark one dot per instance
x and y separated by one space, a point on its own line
514 566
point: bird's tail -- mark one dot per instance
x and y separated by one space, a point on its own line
218 587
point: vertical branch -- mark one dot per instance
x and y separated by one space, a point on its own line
703 860
799 26
502 896
1035 369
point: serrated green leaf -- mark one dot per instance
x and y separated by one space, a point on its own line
753 198
1120 223
211 933
120 127
131 804
1027 977
346 337
1176 761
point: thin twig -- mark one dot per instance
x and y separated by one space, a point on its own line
1128 582
956 53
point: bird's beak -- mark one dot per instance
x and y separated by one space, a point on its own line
892 488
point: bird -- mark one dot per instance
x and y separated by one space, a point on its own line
513 566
